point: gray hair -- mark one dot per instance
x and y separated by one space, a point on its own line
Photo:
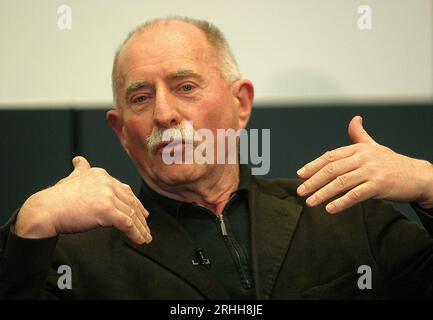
228 67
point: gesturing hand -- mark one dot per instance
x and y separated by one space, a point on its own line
365 170
87 199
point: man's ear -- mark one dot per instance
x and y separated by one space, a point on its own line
243 91
115 120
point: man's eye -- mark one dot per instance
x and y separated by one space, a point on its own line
140 99
186 87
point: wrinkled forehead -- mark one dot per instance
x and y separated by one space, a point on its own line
165 42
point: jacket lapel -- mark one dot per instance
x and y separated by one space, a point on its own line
273 223
173 248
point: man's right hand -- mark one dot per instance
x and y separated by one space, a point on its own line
87 199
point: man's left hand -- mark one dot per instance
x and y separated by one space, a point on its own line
365 170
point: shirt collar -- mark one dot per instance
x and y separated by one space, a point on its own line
173 206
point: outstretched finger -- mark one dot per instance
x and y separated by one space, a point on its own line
351 198
328 173
134 214
143 221
314 166
340 184
126 224
125 192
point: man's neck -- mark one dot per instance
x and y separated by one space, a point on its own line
212 192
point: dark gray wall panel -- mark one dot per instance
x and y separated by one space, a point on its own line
99 144
35 148
299 135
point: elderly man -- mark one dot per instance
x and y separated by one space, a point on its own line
212 230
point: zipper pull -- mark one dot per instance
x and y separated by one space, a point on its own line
222 225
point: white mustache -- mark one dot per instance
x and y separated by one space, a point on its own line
177 132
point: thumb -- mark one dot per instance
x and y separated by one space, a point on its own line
357 132
80 163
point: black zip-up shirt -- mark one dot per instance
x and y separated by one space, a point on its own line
222 242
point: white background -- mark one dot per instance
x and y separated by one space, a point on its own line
298 51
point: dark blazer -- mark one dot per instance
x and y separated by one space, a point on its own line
297 253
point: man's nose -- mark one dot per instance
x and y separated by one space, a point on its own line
165 113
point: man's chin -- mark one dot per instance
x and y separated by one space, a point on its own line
174 174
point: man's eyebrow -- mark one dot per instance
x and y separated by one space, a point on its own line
135 85
185 74
172 75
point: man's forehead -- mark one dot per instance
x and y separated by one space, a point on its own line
164 43
175 38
